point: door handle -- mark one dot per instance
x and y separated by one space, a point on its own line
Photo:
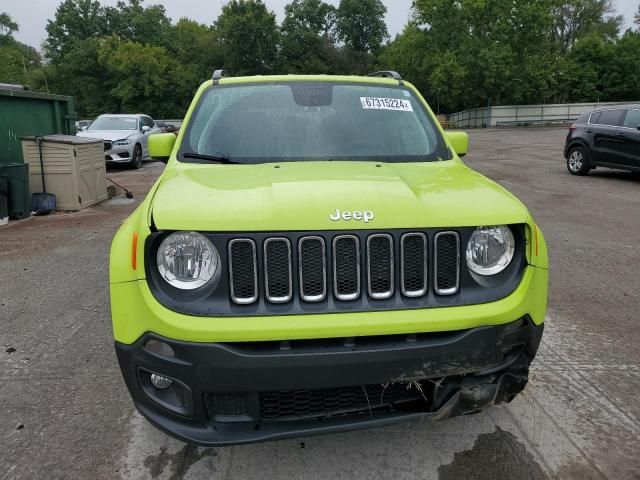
588 130
621 134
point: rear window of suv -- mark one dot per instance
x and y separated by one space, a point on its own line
612 118
632 119
306 121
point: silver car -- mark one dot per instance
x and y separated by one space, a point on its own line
125 137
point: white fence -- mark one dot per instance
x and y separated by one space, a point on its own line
522 114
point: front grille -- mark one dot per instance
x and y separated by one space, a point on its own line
346 267
107 145
313 271
380 266
296 404
311 268
413 264
243 271
447 263
277 267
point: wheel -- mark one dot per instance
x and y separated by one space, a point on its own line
578 161
136 161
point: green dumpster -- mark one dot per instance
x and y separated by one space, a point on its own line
4 193
19 199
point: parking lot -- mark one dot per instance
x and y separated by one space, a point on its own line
65 412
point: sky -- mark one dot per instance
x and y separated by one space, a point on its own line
32 15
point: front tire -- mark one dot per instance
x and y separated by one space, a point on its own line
136 161
578 161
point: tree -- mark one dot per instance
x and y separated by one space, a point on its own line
577 18
17 60
7 25
75 20
132 21
307 36
249 35
636 17
361 24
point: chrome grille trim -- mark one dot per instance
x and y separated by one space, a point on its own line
422 291
356 294
452 290
303 295
289 296
386 294
243 301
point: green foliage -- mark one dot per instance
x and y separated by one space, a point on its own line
249 36
7 25
361 24
307 37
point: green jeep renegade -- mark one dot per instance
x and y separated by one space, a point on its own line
317 258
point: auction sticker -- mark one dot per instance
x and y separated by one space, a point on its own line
376 103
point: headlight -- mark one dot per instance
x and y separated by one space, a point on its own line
187 260
121 143
490 250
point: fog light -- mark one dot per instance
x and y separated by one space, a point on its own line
160 382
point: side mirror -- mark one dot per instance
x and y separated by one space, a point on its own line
459 141
161 146
84 129
145 129
638 127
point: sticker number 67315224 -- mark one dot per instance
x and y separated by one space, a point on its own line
376 103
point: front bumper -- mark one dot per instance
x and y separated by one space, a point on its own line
233 393
119 154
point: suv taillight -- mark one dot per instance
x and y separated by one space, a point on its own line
572 127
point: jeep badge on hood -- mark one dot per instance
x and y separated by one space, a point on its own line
348 216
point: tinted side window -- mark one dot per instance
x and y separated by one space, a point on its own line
633 119
595 117
611 117
146 121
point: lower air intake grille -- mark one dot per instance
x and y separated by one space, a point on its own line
334 401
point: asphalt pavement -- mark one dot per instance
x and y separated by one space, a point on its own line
65 412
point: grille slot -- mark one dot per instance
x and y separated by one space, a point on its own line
447 263
312 260
243 271
346 267
413 264
295 404
380 266
277 267
228 405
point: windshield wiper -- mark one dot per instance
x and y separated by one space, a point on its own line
208 158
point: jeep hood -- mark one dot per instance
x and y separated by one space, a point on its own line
302 196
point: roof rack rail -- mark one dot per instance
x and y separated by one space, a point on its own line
387 74
218 74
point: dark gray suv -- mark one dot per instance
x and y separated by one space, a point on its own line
607 137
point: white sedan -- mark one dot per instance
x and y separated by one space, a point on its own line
125 137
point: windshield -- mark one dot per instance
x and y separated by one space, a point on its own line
306 121
115 123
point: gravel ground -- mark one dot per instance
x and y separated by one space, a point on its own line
65 412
